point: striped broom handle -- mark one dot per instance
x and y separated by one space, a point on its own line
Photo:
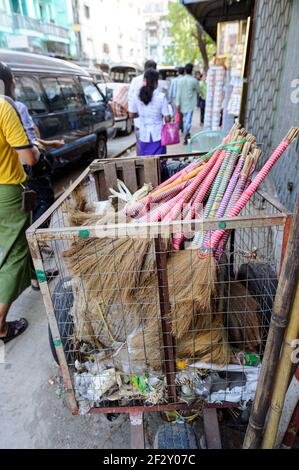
210 176
248 193
162 197
161 211
140 207
231 186
172 214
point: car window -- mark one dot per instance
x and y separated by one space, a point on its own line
29 92
91 92
71 93
54 94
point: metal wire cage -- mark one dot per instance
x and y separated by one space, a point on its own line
137 325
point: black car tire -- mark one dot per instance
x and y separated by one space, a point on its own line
63 299
175 436
261 281
101 147
129 126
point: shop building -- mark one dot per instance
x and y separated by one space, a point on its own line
157 33
270 73
40 26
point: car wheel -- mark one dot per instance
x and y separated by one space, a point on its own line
101 149
129 126
175 436
63 299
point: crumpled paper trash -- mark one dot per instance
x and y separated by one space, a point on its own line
93 387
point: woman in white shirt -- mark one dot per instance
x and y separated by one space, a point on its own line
151 107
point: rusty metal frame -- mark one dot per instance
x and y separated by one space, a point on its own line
42 278
168 343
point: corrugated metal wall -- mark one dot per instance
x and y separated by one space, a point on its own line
270 109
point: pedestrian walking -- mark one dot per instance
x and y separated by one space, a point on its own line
186 100
173 94
152 109
134 90
202 98
15 274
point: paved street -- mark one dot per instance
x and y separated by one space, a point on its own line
115 146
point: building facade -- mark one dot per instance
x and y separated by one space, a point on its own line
41 26
111 31
157 29
272 106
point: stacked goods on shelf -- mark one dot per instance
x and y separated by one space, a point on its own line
214 97
234 102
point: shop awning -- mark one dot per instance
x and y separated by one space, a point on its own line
211 12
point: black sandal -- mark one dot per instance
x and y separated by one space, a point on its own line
15 329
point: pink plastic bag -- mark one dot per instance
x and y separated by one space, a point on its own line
170 134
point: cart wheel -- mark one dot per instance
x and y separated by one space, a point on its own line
63 299
175 436
112 416
129 126
261 281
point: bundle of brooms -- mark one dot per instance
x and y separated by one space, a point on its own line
115 280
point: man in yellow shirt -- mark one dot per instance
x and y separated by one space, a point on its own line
14 254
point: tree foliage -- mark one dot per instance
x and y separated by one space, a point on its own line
189 42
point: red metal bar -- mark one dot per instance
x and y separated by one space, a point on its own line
158 408
211 428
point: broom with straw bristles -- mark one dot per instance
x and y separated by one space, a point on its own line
243 320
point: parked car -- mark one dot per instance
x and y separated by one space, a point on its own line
102 79
117 91
124 73
65 104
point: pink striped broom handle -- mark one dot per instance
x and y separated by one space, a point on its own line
160 212
244 198
230 188
179 238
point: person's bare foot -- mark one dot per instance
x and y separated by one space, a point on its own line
35 284
3 331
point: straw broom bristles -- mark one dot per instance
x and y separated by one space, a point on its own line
208 345
243 320
191 288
